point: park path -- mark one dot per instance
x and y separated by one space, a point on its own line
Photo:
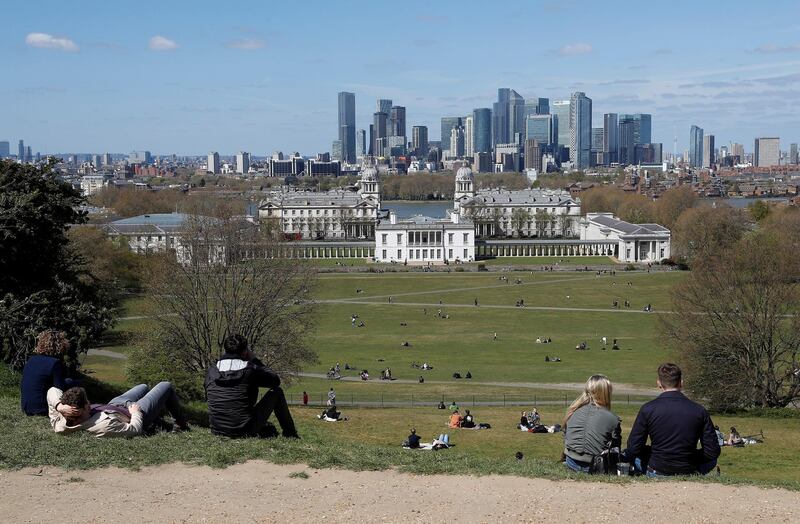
258 491
487 306
625 389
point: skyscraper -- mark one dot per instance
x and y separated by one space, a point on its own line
419 140
347 126
242 162
597 139
457 142
448 123
708 151
737 150
610 138
793 155
542 128
696 146
580 130
537 106
213 162
767 152
361 144
379 129
21 151
397 123
508 115
5 149
469 136
533 154
385 106
482 130
626 140
107 159
561 109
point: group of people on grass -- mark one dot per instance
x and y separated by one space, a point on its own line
232 386
673 424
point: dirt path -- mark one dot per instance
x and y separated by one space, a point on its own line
262 492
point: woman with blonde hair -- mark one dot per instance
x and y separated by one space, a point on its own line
43 370
590 426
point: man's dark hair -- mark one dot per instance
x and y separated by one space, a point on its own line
75 397
235 344
670 375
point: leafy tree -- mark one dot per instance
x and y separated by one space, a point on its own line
42 284
759 210
520 218
736 323
543 219
705 231
672 203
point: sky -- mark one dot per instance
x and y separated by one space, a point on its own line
189 77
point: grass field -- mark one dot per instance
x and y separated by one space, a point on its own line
567 306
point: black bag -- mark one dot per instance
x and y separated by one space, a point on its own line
606 462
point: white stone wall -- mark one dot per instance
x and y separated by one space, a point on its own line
457 244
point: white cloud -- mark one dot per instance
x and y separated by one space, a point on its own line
46 41
246 43
772 48
161 43
575 49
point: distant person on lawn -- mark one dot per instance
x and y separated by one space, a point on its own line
455 420
232 385
44 370
127 415
674 424
589 425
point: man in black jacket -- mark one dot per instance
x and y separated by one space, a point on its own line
674 425
232 385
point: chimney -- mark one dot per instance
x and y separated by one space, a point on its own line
392 217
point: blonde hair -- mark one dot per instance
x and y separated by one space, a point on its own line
597 391
52 343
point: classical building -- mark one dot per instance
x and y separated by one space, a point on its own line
337 214
524 213
147 233
629 242
425 240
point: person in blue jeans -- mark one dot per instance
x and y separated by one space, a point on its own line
44 370
674 424
127 415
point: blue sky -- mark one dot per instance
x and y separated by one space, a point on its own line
189 77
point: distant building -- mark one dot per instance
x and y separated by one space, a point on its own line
696 146
632 242
424 240
97 161
242 162
5 150
397 121
482 162
337 150
361 144
457 142
213 163
708 151
91 184
347 126
611 138
767 152
793 154
542 128
482 130
597 139
140 157
561 110
107 159
469 143
21 151
508 115
379 129
448 123
419 141
580 130
533 155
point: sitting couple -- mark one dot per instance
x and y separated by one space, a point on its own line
673 423
232 385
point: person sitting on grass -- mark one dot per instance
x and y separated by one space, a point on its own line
674 424
413 439
589 425
455 420
44 370
331 414
128 415
523 422
232 385
468 421
735 439
453 406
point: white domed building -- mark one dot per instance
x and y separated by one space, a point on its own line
339 214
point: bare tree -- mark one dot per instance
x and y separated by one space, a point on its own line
736 324
230 276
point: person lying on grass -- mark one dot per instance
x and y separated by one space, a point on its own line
232 385
128 415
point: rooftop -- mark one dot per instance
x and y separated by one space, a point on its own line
522 196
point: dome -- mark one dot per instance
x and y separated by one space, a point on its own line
464 173
369 174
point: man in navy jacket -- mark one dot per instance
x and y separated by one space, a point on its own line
674 425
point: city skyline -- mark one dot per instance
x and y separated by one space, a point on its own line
168 87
